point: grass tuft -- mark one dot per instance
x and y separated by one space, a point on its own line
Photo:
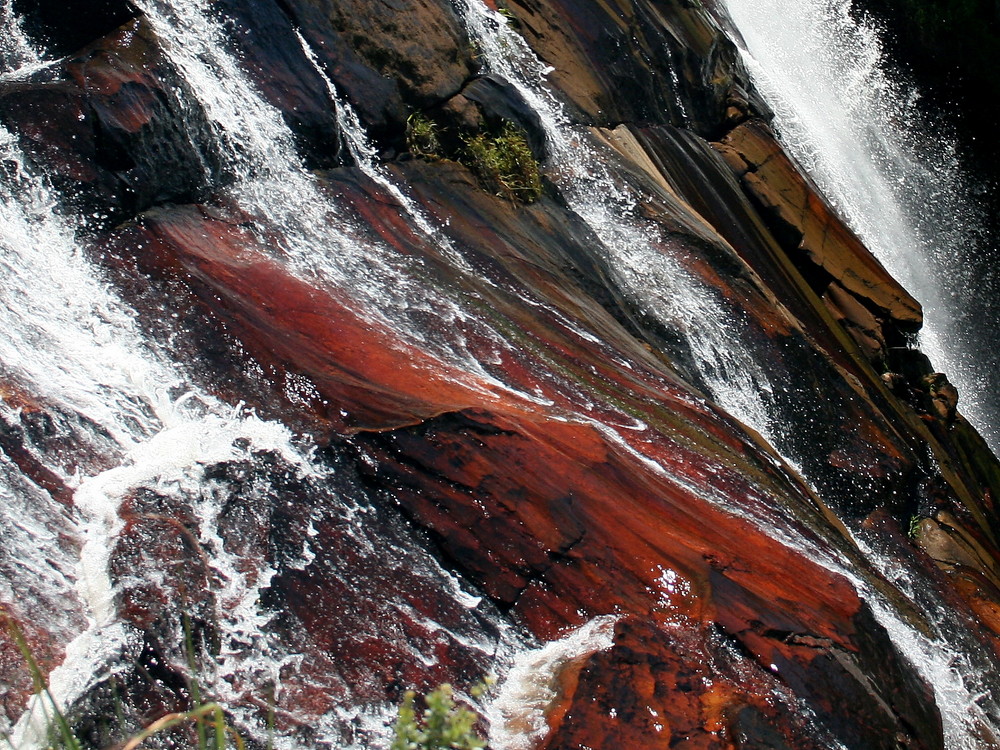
209 721
504 164
499 156
443 724
422 137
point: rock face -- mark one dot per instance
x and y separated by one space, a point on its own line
519 417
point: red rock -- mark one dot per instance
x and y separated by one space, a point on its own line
549 515
561 456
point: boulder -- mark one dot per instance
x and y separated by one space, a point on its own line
387 59
640 63
115 126
64 27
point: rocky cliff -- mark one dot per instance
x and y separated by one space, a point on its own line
666 384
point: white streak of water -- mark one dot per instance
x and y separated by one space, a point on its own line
963 691
366 157
609 207
67 335
73 345
37 567
895 176
854 127
517 714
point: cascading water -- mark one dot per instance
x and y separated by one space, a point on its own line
854 123
259 507
15 49
734 378
72 344
658 282
321 240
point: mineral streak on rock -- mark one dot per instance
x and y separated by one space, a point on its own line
548 446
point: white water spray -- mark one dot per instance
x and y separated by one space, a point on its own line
73 345
320 240
517 714
16 51
646 272
855 126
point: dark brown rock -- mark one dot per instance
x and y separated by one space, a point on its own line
270 51
858 320
390 58
641 63
115 127
66 26
943 397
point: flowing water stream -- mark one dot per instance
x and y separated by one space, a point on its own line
16 50
73 345
715 333
853 121
737 382
71 342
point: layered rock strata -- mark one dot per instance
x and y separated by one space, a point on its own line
523 419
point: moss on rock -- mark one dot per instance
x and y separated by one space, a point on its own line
500 156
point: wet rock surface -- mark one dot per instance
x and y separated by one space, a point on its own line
115 125
65 27
505 441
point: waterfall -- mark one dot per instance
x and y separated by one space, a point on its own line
319 238
73 344
636 253
145 428
735 380
517 713
16 51
854 123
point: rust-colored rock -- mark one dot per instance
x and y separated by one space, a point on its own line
502 442
547 515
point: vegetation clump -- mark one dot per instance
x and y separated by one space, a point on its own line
211 730
443 724
500 156
422 137
504 163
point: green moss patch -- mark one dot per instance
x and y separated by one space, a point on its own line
499 156
504 164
